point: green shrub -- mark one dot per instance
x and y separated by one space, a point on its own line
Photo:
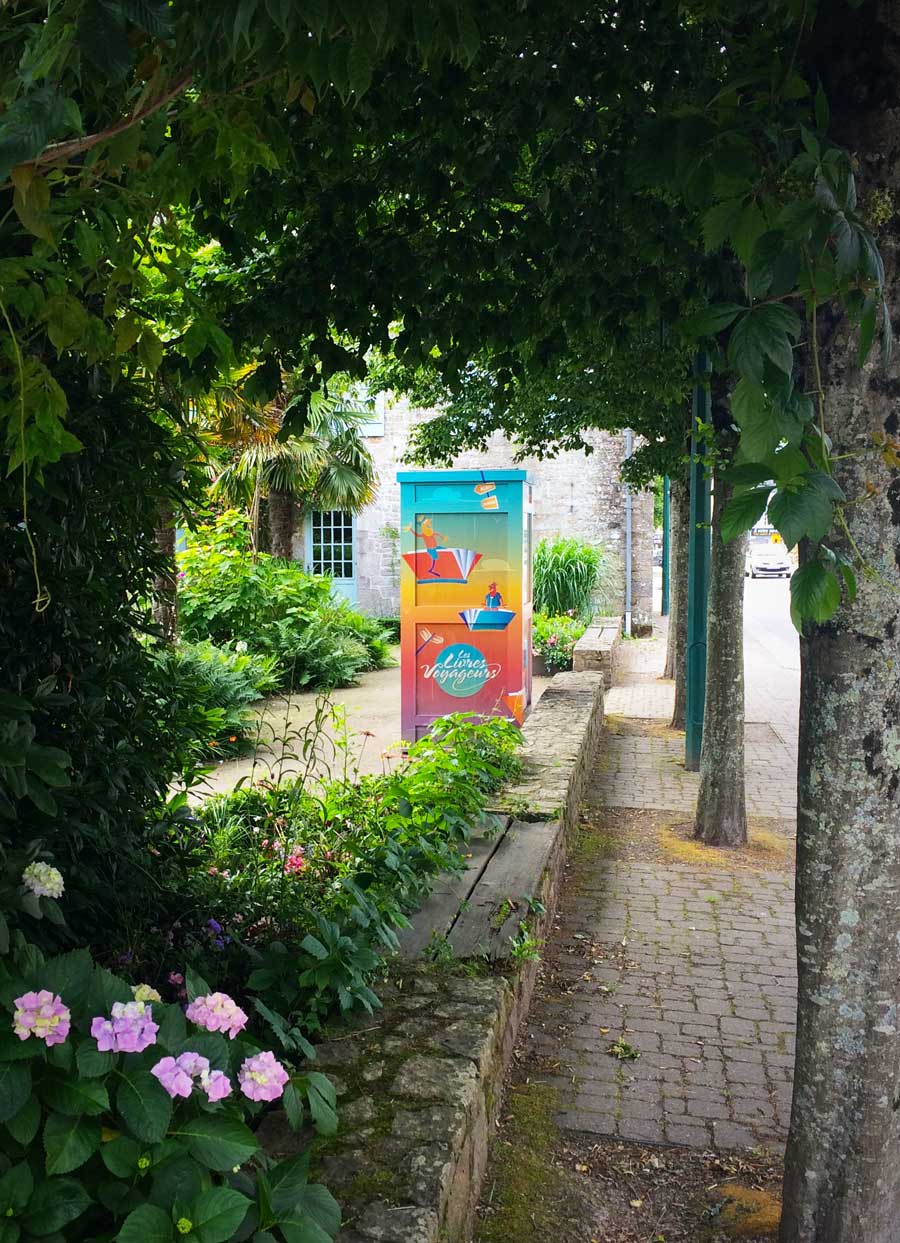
554 639
227 596
570 576
311 884
214 687
94 1145
88 739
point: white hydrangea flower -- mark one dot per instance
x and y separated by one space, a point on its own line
43 880
144 992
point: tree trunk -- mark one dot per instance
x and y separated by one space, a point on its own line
842 1171
676 649
721 806
282 510
165 585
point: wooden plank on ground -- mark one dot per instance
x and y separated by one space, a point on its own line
499 901
435 916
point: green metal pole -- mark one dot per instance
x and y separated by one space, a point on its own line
699 549
667 536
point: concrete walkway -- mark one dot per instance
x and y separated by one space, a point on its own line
290 726
688 965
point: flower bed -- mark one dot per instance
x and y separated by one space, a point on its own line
125 1115
553 640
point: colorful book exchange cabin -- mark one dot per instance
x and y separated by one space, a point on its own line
465 595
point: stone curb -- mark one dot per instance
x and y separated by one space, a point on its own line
596 649
420 1082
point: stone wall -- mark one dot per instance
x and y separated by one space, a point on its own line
574 494
420 1082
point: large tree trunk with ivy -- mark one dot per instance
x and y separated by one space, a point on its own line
842 1176
164 599
721 818
282 513
676 647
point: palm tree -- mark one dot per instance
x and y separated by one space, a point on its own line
323 466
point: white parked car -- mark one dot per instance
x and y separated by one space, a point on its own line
768 561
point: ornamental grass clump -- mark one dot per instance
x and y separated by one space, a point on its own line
571 577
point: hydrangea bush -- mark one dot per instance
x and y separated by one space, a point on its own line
125 1118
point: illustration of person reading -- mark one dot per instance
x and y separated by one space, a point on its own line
433 541
493 599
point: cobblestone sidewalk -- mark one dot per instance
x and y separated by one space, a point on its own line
692 969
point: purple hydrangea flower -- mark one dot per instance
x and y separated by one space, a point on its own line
130 1030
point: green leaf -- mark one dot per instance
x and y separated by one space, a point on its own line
802 511
764 332
815 593
53 1204
154 16
121 1155
172 1027
313 1216
145 1105
195 985
9 1230
91 1062
178 1178
756 417
742 512
293 1107
748 474
68 1142
314 947
68 974
217 1213
719 223
822 111
147 1224
15 1088
66 320
360 66
322 1100
711 319
150 351
16 1187
75 1097
24 1125
218 1142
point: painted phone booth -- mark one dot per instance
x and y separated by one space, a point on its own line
465 595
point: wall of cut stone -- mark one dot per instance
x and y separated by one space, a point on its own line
574 494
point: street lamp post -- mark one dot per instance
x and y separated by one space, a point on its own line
699 548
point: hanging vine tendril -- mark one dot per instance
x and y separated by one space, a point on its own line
42 596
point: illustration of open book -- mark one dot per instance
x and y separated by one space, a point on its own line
487 619
452 565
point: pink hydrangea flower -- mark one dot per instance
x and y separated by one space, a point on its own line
217 1012
262 1077
216 1085
175 977
43 1016
295 862
177 1074
173 1078
130 1030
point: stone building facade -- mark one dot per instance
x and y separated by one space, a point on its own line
577 494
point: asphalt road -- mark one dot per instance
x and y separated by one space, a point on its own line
771 656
